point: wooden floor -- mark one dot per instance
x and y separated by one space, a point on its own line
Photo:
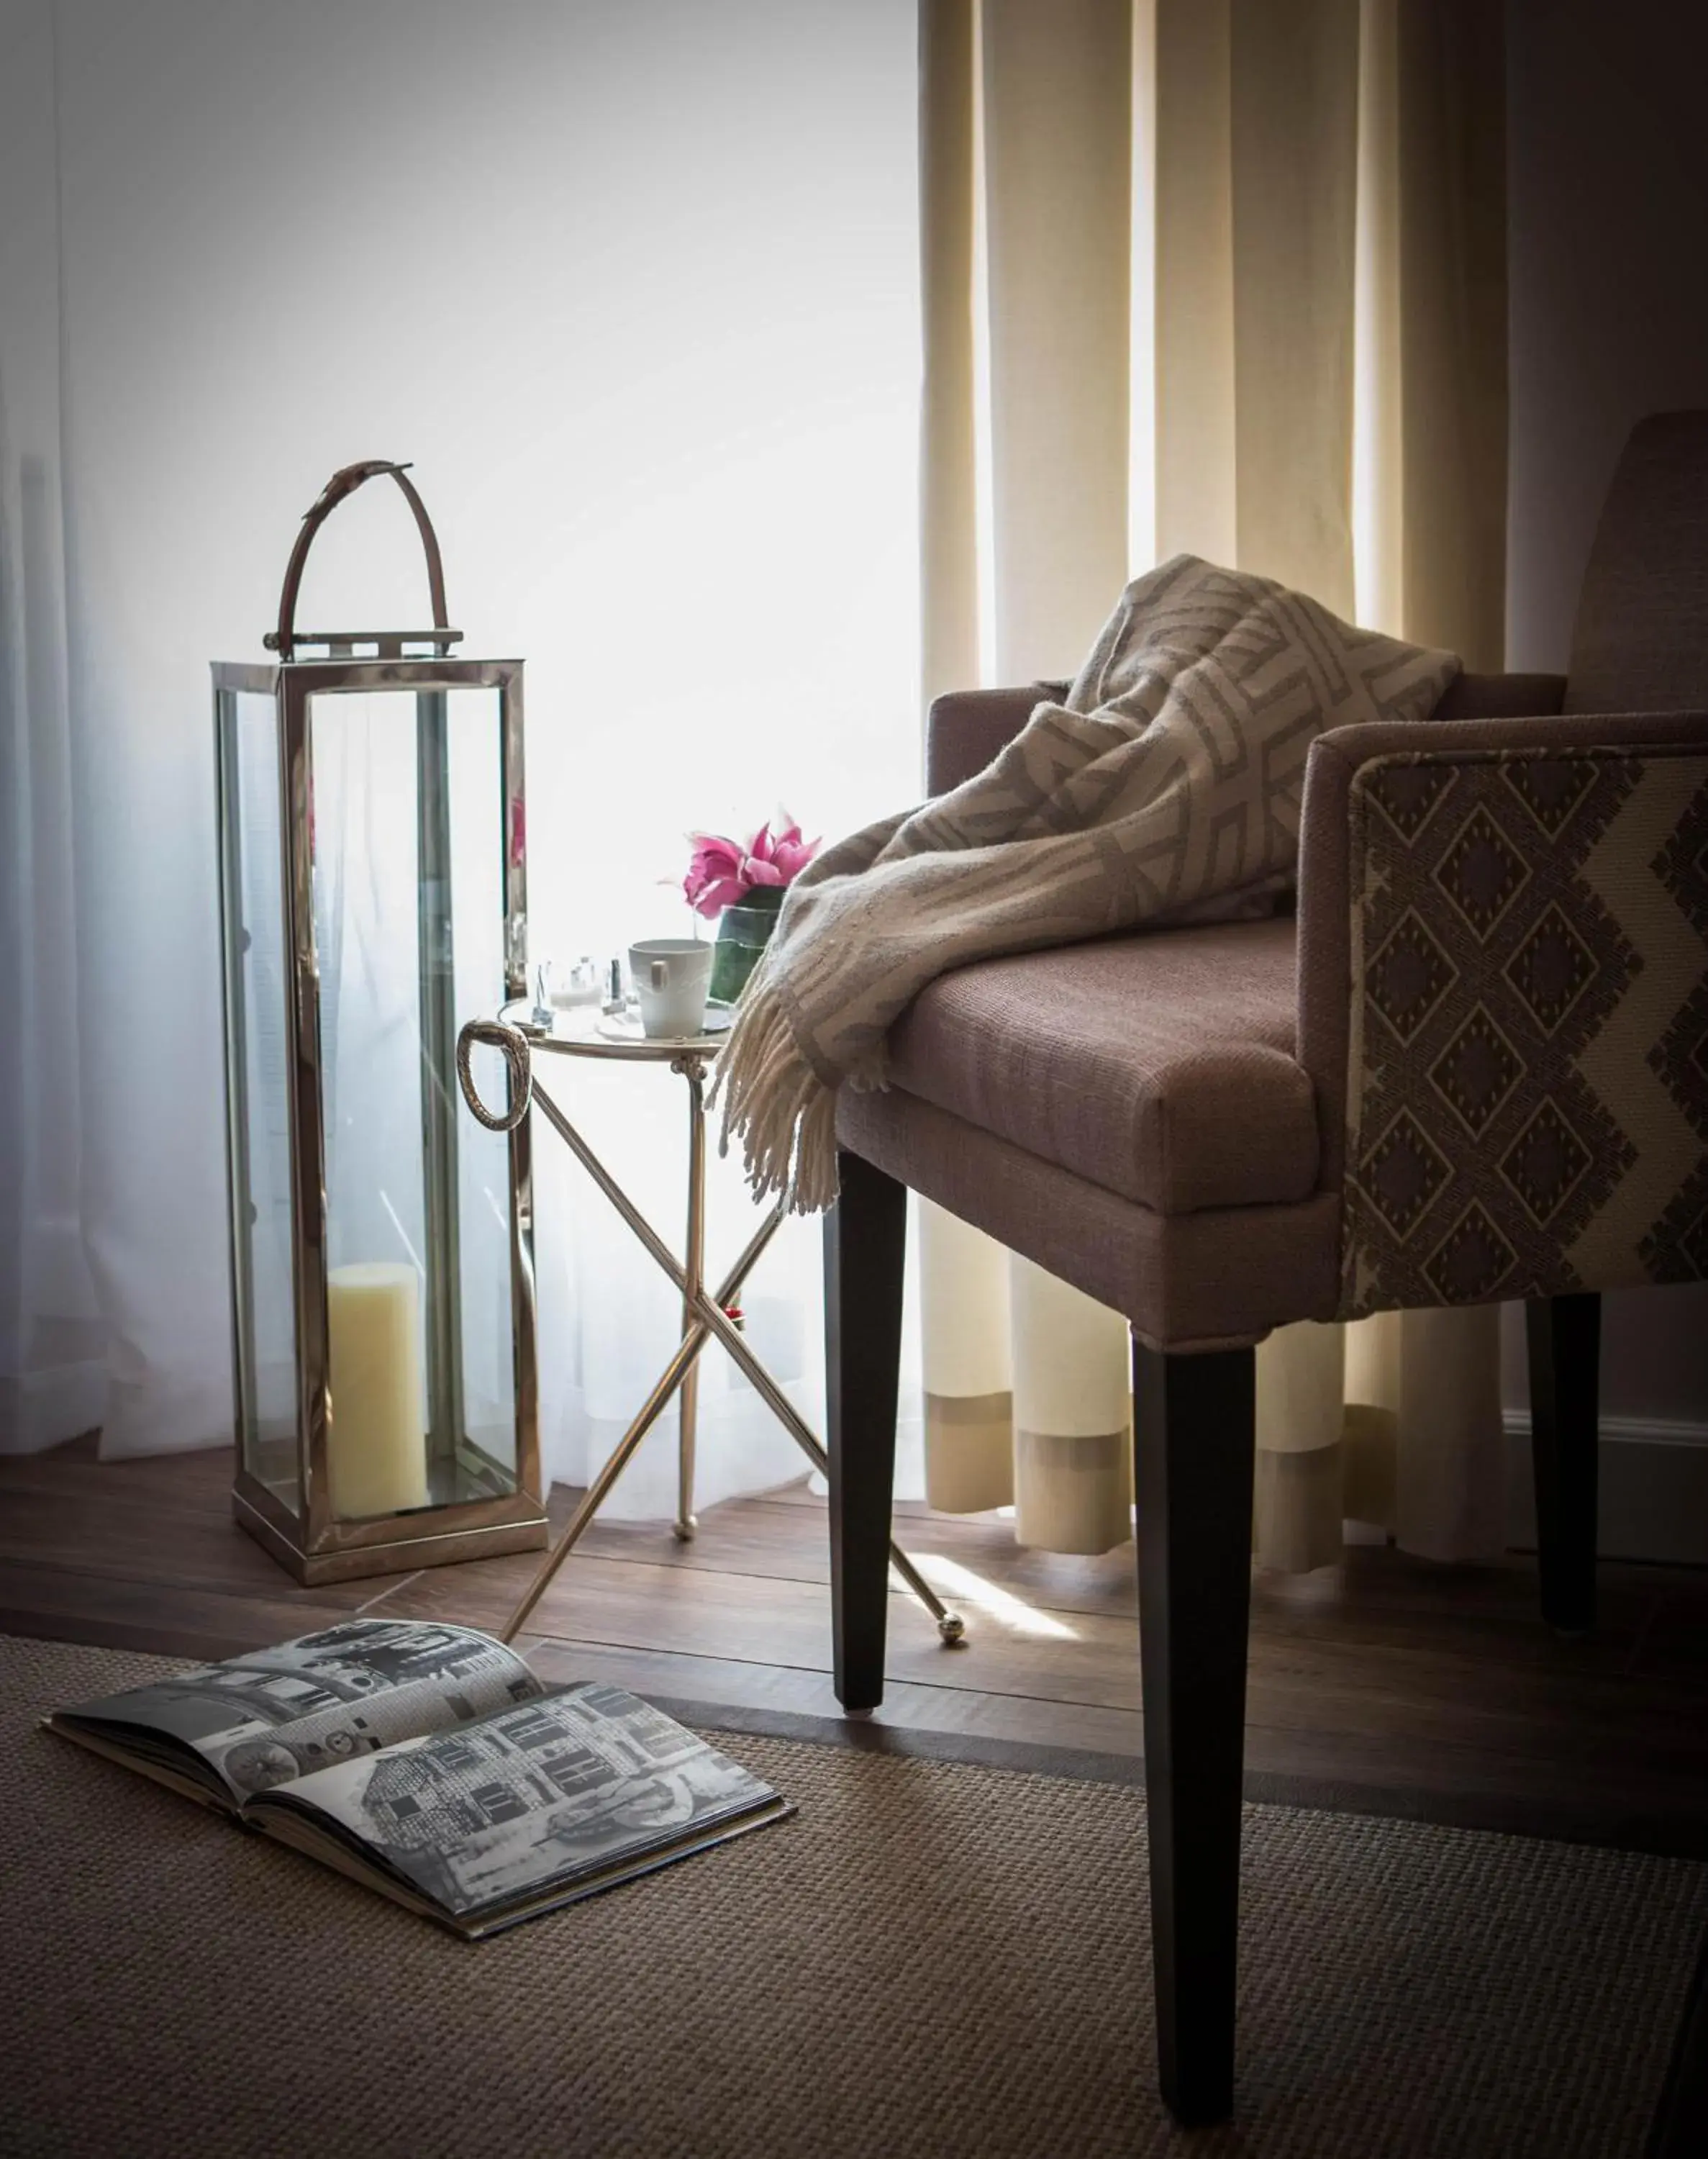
1411 1687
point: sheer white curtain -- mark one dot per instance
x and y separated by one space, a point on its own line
52 1365
636 289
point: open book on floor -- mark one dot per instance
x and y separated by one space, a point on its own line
429 1763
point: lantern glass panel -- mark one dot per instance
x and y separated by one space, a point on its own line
257 990
409 934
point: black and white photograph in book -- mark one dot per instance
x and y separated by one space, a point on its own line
275 1714
472 1817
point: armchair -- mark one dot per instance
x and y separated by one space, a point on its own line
1474 1068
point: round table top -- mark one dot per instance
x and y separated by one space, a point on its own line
586 1031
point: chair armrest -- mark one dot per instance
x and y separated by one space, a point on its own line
1503 1002
967 727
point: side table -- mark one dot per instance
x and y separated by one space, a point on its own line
520 1040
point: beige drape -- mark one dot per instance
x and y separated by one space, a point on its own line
1225 276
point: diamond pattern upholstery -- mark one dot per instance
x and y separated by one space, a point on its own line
1535 921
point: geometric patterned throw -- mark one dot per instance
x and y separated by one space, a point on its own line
1170 779
1528 1086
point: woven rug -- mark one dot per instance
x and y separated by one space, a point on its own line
933 1958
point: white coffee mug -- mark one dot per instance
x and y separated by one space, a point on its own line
672 975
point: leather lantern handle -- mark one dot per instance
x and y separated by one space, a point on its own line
345 481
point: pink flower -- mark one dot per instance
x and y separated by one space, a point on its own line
722 873
784 852
714 881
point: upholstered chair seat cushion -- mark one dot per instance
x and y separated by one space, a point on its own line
1130 1114
1159 1066
1208 1280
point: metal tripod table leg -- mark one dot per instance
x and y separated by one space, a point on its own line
703 1317
694 1255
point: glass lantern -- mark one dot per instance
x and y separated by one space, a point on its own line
373 898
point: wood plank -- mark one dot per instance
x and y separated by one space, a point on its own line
1379 1599
792 1543
732 1683
1380 1594
58 1605
70 1468
1384 1673
1411 1696
1674 1649
1453 1782
187 1547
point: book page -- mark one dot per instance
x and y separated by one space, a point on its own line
538 1795
270 1716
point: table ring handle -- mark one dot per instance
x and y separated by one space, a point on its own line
512 1045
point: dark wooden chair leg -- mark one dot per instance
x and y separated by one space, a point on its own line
1564 1336
1194 1437
864 1245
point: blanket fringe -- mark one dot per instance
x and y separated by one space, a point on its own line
775 1103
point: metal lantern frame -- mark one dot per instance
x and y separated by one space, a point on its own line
505 1510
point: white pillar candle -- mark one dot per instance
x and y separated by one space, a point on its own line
969 1407
1072 1451
376 1443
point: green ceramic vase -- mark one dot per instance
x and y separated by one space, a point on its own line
743 932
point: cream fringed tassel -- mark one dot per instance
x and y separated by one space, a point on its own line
775 1103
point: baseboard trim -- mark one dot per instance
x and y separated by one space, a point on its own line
1653 1488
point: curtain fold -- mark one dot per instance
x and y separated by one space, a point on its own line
1308 381
1025 213
1450 56
965 1375
1255 182
1420 1445
52 1373
1057 168
1058 157
965 1364
949 549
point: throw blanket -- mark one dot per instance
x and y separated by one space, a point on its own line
1171 778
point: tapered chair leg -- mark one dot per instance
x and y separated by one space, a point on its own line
1194 1437
865 1246
1564 1336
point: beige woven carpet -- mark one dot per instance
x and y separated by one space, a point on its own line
933 1958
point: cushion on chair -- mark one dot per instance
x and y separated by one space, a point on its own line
1207 1280
1159 1066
